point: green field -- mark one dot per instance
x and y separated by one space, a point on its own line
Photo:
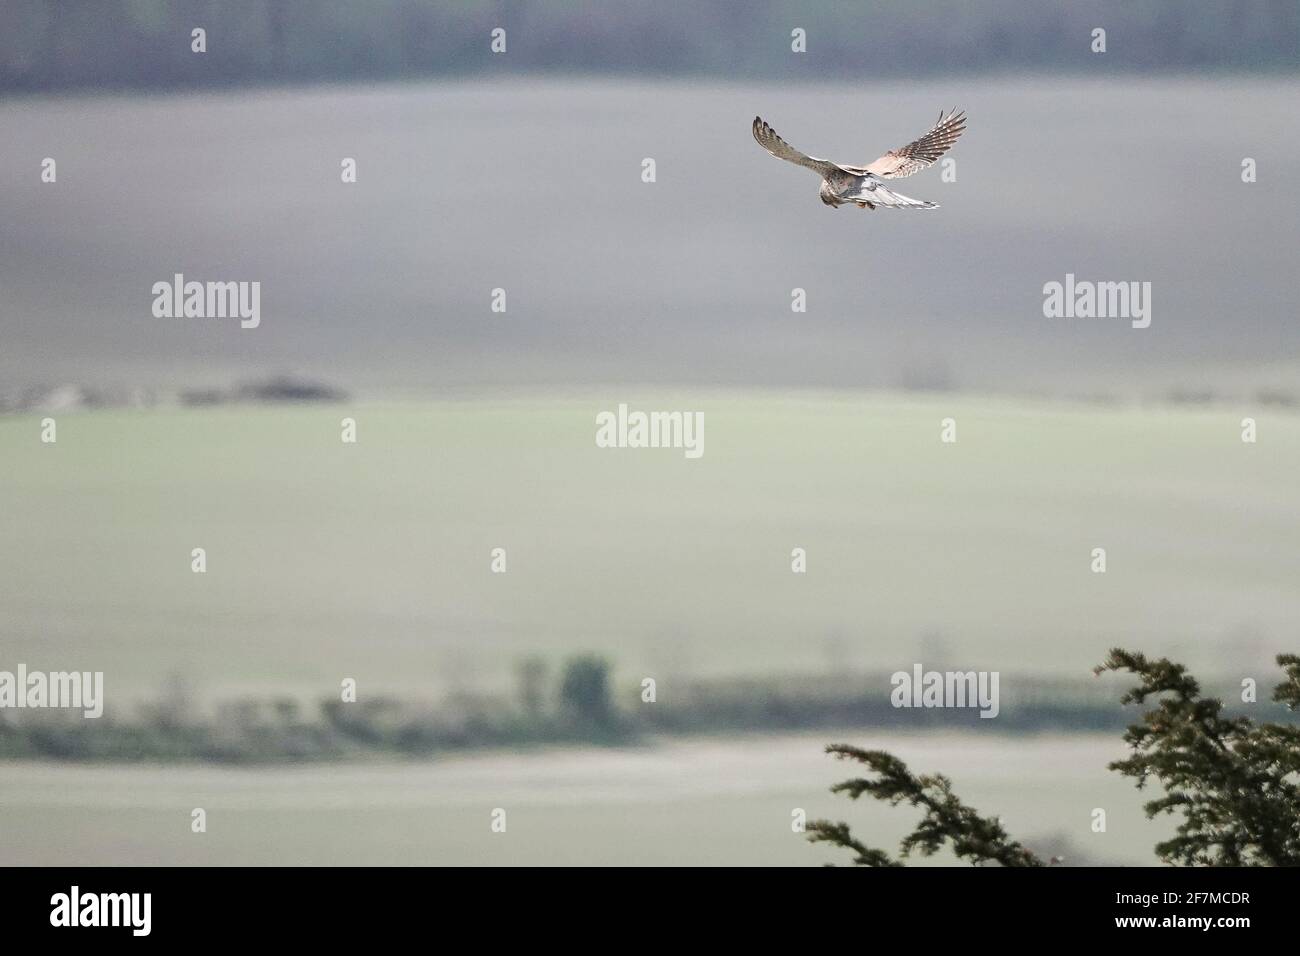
328 560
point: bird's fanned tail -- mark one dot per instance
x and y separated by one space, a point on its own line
876 194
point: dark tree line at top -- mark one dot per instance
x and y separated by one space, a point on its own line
145 44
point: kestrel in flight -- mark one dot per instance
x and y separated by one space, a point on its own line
864 185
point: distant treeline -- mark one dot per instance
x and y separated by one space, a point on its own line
579 705
146 44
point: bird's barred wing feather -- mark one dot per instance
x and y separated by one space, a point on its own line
774 144
922 152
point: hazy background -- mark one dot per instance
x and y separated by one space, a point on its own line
534 187
522 171
508 171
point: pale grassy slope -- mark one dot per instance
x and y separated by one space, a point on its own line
708 801
371 561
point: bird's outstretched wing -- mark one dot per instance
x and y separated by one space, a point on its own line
923 152
767 138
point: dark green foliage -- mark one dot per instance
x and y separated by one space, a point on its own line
824 831
946 819
1233 780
